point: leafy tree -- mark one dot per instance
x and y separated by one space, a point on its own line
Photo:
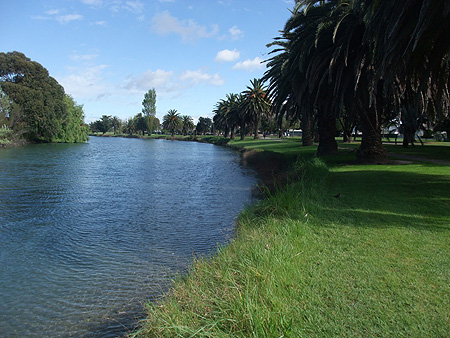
156 123
204 125
40 111
140 123
5 106
39 95
171 121
130 126
9 111
149 108
72 130
104 124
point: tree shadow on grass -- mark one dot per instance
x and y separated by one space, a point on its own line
389 199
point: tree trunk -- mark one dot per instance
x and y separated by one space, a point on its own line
371 149
242 131
232 134
307 139
347 138
408 137
256 128
327 132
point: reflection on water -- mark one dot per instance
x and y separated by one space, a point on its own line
90 232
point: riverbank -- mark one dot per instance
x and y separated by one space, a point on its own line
340 250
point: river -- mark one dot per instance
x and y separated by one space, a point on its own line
91 232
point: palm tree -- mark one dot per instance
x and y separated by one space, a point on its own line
256 103
233 114
171 121
116 123
413 58
187 124
220 118
361 61
227 114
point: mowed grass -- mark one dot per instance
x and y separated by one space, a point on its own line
339 251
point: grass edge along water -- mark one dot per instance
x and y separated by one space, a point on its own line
339 251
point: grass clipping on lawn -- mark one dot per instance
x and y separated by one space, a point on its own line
351 251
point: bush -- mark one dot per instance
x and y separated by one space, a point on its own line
6 135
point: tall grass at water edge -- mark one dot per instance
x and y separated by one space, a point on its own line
340 251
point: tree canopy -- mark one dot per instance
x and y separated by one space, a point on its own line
149 109
365 64
43 112
171 121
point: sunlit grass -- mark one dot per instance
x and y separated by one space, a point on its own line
342 251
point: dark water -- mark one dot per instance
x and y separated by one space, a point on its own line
90 232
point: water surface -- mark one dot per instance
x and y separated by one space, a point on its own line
90 232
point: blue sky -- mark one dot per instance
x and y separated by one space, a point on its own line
108 53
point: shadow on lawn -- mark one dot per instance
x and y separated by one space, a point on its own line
390 198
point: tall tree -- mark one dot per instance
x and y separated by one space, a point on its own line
149 108
221 122
256 103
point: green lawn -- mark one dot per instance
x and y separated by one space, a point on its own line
373 262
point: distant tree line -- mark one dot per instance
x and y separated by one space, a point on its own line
140 124
34 106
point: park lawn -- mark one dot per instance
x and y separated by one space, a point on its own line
372 262
431 149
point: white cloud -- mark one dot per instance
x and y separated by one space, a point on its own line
198 76
87 83
227 55
83 57
250 65
164 24
160 79
93 2
135 7
54 14
236 33
100 23
68 17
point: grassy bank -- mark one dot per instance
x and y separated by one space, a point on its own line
340 251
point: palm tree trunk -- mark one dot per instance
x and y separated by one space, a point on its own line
307 139
232 134
242 131
256 137
371 149
327 133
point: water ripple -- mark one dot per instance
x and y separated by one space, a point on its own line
90 232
